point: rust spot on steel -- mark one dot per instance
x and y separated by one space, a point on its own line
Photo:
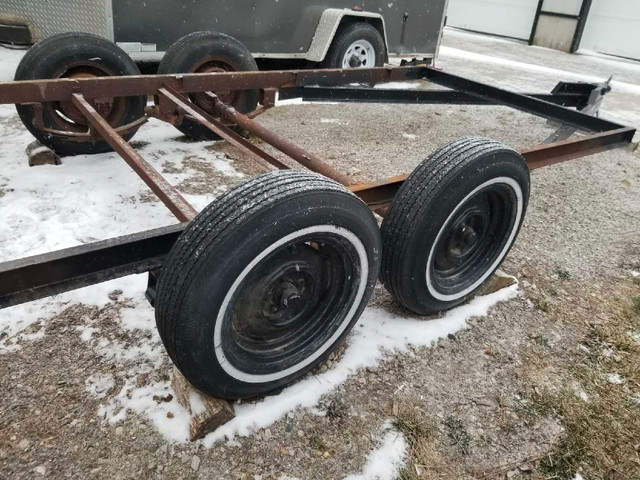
378 195
29 91
165 192
552 153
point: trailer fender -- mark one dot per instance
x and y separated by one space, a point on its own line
328 26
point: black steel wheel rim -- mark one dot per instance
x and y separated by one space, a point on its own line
291 303
473 239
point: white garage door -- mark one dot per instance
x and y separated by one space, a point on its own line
613 27
511 18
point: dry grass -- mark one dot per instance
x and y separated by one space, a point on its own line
425 458
602 421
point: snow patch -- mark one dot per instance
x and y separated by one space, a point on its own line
384 462
398 86
615 378
9 59
298 101
99 384
86 332
378 333
168 417
15 320
580 393
409 136
196 402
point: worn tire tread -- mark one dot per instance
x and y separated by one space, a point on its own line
418 191
214 224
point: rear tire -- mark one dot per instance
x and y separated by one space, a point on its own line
78 55
210 52
265 282
452 223
356 45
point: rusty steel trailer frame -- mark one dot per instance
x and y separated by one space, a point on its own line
49 274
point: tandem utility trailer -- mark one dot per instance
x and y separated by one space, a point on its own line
336 33
265 282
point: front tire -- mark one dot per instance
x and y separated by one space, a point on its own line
452 223
266 282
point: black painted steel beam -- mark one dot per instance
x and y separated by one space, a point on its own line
522 102
446 97
41 276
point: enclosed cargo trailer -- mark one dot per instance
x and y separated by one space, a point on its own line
287 29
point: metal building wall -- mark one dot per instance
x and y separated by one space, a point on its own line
558 24
509 18
613 27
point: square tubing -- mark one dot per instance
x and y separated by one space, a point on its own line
33 91
519 101
258 155
422 97
174 201
40 276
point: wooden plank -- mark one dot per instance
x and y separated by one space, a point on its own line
207 413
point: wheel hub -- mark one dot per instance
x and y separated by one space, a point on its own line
360 54
466 234
289 294
203 100
280 297
472 238
103 105
68 117
355 61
